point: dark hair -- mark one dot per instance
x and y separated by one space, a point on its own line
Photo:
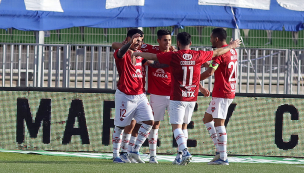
219 33
131 32
162 32
184 38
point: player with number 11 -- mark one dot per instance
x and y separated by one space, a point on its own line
186 67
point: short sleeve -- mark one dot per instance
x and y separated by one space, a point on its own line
217 59
164 58
206 55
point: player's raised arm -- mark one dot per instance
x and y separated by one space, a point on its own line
156 64
232 45
147 56
125 47
117 45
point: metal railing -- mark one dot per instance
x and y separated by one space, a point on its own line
273 71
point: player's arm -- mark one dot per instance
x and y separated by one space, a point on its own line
147 56
156 64
209 71
122 51
117 45
204 91
232 45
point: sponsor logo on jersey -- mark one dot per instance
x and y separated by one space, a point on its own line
138 64
138 73
187 93
187 56
160 73
187 63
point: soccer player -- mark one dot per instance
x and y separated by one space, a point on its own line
224 68
130 132
185 69
159 85
130 100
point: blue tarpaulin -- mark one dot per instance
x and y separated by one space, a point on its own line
59 14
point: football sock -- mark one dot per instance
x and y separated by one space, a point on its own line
185 131
143 133
153 141
125 142
180 139
222 141
116 140
211 129
131 143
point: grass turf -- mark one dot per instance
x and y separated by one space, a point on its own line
32 163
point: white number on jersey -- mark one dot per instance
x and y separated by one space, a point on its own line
232 65
185 75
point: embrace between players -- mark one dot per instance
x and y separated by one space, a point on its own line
173 82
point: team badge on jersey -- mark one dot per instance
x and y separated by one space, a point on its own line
213 109
143 46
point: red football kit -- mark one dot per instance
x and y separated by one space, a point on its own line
225 74
185 69
130 76
159 79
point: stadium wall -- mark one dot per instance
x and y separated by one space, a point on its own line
59 119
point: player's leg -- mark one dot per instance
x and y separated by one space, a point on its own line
133 140
177 113
189 107
209 123
125 141
143 114
124 110
152 139
179 154
159 105
219 117
116 140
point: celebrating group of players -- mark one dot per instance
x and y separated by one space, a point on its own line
173 82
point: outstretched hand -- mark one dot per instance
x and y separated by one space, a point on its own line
235 43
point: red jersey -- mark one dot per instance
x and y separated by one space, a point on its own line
130 76
159 79
225 74
185 68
